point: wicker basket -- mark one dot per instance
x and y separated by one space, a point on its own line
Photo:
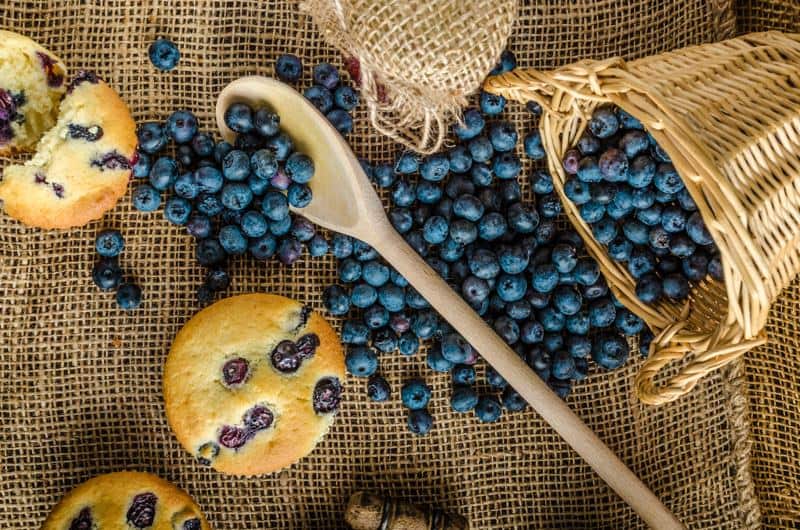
728 114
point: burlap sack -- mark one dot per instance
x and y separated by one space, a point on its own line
80 392
418 59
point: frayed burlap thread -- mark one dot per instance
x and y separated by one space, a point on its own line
419 59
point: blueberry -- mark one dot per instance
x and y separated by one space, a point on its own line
163 173
177 210
355 332
342 246
248 141
408 343
274 206
341 120
586 271
299 195
327 395
641 172
578 346
107 274
209 179
668 264
288 68
539 360
511 287
531 332
163 54
648 288
181 126
675 286
463 374
667 179
650 216
363 295
613 165
610 351
659 238
264 164
533 145
289 251
681 245
463 398
481 174
492 226
254 224
266 123
424 324
436 361
239 118
416 240
335 300
628 323
627 121
141 169
302 229
480 150
522 219
564 258
506 166
129 296
545 278
602 192
673 219
317 246
281 227
378 388
636 232
589 170
643 199
563 365
401 219
142 510
320 97
428 192
604 122
435 167
571 161
385 340
471 125
512 401
109 243
435 230
203 145
695 267
567 299
415 394
326 75
503 136
232 239
488 409
602 313
507 63
146 198
491 104
280 145
577 191
513 260
641 262
697 231
376 316
384 176
236 165
715 268
588 144
361 361
686 201
459 159
400 322
507 329
236 196
455 349
420 422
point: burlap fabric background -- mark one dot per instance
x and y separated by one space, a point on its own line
80 392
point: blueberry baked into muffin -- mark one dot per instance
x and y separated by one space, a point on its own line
82 165
32 81
252 383
126 500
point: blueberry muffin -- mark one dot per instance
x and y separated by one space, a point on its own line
252 383
32 81
82 165
126 500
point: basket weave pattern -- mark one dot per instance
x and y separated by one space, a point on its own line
728 114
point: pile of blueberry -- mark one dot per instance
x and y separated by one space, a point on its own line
630 194
462 211
107 274
235 199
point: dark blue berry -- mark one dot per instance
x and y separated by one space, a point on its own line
610 351
415 394
648 288
163 173
129 296
378 388
361 361
320 97
107 274
232 239
109 243
239 118
463 398
141 169
503 136
420 422
533 145
275 206
341 120
506 166
289 251
146 198
177 210
471 125
488 409
604 122
181 126
675 286
209 179
164 54
288 68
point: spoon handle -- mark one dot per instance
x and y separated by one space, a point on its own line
521 377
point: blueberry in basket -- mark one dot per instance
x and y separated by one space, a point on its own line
636 204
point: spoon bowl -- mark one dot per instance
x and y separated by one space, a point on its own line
344 201
343 197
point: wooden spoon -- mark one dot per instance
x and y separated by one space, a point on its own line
345 201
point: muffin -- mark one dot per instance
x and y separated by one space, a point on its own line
32 81
82 165
129 500
252 383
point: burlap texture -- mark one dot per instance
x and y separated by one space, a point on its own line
81 380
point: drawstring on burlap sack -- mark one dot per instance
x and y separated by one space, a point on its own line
418 60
